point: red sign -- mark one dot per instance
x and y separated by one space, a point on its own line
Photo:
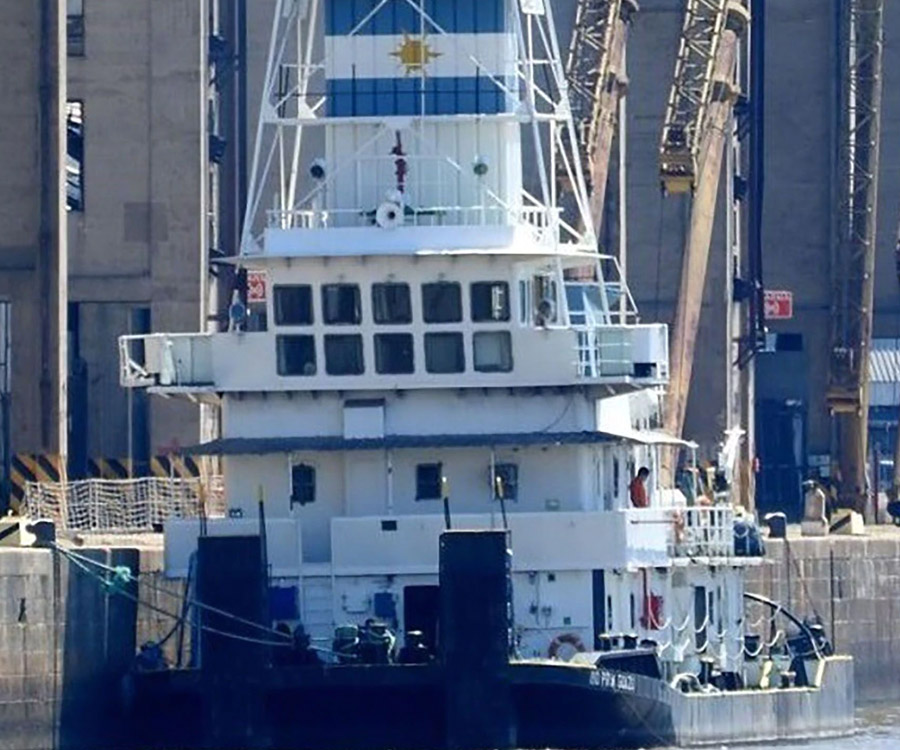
779 305
256 286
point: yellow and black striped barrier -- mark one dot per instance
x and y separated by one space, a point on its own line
32 467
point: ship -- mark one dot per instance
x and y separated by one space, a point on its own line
449 519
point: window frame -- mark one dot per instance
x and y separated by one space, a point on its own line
507 336
282 337
381 337
297 498
428 285
75 28
502 467
278 288
332 338
376 307
358 300
456 335
491 285
429 465
71 104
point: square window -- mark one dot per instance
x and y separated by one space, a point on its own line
490 301
293 305
391 304
429 481
341 304
344 355
394 353
444 353
296 355
493 351
442 302
506 481
303 484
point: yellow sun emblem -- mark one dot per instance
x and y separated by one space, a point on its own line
414 54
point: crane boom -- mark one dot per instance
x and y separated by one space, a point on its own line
854 266
595 70
691 154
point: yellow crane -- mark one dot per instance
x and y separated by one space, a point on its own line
694 134
595 71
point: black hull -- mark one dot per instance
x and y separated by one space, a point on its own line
382 708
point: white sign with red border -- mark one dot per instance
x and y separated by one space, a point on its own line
257 281
779 305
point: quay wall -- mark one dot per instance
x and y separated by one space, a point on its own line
853 584
64 641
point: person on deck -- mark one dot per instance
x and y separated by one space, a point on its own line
638 488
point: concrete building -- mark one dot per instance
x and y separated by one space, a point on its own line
32 245
139 210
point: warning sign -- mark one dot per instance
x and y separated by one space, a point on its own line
256 286
779 305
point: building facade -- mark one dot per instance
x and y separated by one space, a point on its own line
32 245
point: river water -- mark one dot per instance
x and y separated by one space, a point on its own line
879 729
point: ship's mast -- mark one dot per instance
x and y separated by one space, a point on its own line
294 101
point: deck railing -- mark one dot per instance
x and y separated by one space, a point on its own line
702 531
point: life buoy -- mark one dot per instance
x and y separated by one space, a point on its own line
566 639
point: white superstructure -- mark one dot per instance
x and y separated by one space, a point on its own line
423 330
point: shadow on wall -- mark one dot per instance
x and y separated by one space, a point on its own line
96 632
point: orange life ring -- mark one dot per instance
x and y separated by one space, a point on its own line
566 639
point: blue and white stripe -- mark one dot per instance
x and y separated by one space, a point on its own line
472 45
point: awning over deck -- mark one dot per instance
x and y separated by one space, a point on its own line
269 445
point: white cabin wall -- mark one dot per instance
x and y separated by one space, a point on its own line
443 412
247 476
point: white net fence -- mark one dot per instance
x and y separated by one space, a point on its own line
123 505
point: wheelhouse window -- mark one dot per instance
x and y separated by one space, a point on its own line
303 484
429 481
293 305
506 482
394 353
442 302
391 304
344 355
296 355
341 304
444 353
493 351
490 301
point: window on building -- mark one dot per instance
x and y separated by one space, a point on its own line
394 353
429 481
490 301
344 355
442 302
303 484
75 156
391 304
75 28
293 305
341 304
506 481
444 353
493 351
296 355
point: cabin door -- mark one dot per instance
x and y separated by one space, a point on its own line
421 610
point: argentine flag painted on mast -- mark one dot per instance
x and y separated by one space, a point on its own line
418 57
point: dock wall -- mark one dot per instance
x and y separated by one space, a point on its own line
64 640
853 584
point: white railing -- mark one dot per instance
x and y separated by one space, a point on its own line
123 505
702 531
617 351
167 359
